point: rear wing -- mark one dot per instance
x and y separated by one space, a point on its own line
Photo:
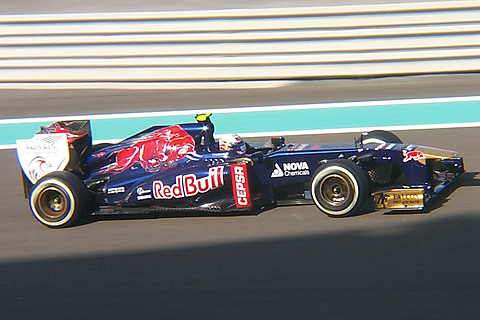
59 146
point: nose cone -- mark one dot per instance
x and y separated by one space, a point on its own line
436 153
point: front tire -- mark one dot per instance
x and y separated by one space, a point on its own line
59 199
340 188
389 172
380 136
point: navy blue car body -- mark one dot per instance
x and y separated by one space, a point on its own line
182 167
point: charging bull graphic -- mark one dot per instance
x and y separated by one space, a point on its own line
415 156
154 151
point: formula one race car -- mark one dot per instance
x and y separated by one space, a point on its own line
183 167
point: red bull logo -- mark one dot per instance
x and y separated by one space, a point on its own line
189 185
157 150
414 155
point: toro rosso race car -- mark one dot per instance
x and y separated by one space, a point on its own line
183 167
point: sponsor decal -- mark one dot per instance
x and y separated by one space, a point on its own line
277 172
414 155
141 191
144 197
241 190
143 194
400 199
291 169
42 154
189 185
399 196
116 190
222 155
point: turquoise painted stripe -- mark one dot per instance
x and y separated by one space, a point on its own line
280 119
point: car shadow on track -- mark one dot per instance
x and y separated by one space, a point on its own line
425 270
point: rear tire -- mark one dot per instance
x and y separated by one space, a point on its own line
59 199
340 188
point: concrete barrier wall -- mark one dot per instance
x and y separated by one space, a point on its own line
240 45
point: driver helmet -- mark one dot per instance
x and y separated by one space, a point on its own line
232 143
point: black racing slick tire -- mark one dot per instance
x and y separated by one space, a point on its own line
340 188
380 136
59 199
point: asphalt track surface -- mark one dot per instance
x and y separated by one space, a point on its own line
285 263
